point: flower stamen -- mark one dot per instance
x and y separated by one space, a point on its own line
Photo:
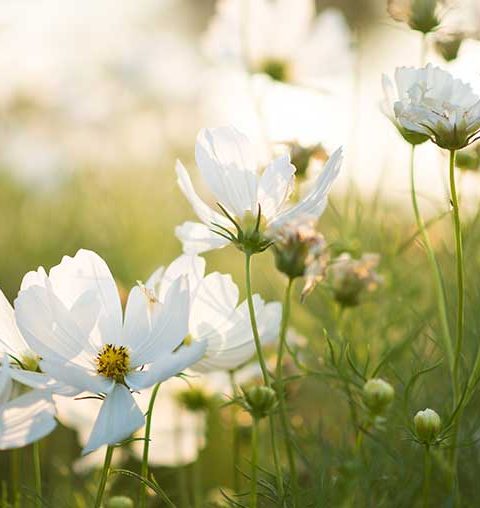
113 362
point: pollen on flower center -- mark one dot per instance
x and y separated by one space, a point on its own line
113 362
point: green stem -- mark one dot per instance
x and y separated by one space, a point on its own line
38 473
427 470
253 492
281 392
146 445
434 267
196 474
15 476
460 270
103 480
263 366
460 309
235 435
423 50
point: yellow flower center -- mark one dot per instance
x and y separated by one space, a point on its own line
113 362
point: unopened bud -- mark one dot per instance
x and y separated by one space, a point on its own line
378 395
120 502
194 399
259 401
421 15
427 426
449 46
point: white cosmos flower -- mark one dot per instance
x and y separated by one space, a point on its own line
216 317
431 102
227 163
283 39
24 419
73 319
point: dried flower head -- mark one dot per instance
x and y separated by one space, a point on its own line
300 251
350 277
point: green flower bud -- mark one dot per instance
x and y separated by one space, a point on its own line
427 426
120 502
378 395
421 15
259 401
448 47
194 399
277 69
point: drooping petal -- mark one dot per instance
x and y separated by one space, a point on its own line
170 364
117 419
203 211
11 341
275 185
227 164
315 202
197 238
26 419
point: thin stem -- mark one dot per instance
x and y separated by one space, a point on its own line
196 473
427 470
434 267
266 378
423 50
460 309
281 391
460 269
146 445
253 491
235 435
253 322
15 476
103 480
38 473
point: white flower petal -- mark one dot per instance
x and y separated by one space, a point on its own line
197 238
203 211
225 159
170 364
5 380
169 326
11 341
315 202
26 419
34 278
275 185
117 419
42 381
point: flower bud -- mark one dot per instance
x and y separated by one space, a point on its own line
194 399
427 426
300 251
120 502
421 15
468 159
449 46
378 395
259 401
350 278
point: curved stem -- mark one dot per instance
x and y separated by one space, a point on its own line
437 277
38 473
103 480
426 477
253 492
263 366
146 445
281 391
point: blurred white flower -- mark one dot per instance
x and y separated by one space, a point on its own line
252 202
177 434
216 317
283 39
24 419
433 103
73 319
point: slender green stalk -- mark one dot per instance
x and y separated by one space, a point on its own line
182 485
427 472
266 378
281 392
460 315
146 445
437 277
37 473
253 491
423 50
15 476
103 480
235 435
197 474
460 270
